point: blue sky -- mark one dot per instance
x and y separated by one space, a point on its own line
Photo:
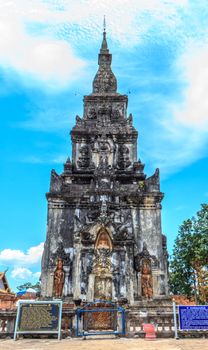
48 58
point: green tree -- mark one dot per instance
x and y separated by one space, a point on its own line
27 285
189 262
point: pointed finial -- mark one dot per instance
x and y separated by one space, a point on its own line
104 46
104 24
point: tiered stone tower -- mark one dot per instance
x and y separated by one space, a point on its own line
104 236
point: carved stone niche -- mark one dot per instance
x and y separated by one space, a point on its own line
84 158
104 113
123 157
92 115
144 263
144 254
115 115
102 266
124 230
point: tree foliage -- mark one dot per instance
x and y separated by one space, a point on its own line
27 285
189 262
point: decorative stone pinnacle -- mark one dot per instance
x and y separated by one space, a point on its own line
104 46
105 80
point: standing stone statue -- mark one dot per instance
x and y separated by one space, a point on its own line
146 279
58 279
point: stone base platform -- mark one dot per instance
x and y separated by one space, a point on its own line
157 311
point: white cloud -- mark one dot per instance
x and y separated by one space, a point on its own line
21 273
37 274
32 56
179 134
126 21
36 39
36 36
178 146
193 111
183 134
32 256
175 145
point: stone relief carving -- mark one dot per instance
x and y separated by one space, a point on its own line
86 269
115 115
77 222
146 279
123 157
102 255
60 254
102 266
144 254
58 279
103 288
84 158
119 273
162 285
102 144
91 216
124 230
99 263
103 150
92 115
86 237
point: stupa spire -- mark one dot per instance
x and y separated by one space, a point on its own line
104 46
105 80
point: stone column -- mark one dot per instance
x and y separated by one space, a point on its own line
77 273
91 287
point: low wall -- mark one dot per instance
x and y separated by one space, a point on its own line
158 312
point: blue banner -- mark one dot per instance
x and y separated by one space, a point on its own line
193 317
